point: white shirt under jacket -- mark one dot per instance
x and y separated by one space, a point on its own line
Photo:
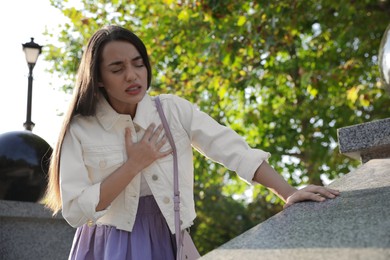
94 147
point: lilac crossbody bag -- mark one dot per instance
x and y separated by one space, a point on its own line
186 248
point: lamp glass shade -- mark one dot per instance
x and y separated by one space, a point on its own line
31 54
384 59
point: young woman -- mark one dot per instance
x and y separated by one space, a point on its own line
112 173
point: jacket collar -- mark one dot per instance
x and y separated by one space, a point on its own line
107 116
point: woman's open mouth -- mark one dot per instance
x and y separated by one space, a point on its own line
133 89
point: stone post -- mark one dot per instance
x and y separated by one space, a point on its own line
366 141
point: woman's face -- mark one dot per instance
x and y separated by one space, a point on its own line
123 75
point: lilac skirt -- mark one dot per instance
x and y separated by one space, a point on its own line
150 238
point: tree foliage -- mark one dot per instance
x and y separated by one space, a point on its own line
283 74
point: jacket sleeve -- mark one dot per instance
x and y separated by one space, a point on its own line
79 196
219 143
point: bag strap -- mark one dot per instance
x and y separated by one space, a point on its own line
176 193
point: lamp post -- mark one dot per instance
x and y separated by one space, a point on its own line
32 51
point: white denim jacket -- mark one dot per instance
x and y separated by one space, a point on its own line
94 147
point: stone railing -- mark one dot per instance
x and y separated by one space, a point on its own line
355 225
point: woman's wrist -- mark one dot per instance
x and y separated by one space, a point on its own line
268 177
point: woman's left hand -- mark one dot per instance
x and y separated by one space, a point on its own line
313 193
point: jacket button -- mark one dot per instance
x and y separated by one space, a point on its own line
102 164
154 177
166 200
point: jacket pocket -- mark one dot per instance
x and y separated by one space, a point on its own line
101 161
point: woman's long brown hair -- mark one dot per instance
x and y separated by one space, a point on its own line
85 97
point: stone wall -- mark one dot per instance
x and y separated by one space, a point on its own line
28 231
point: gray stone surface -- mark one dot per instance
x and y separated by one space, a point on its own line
355 225
366 141
28 231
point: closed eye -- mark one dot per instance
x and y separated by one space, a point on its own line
116 70
138 62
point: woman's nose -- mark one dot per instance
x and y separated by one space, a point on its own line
130 75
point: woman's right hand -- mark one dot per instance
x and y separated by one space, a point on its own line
140 155
148 149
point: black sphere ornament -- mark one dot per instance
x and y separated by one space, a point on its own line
24 163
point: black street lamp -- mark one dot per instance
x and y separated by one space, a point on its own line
24 156
32 51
